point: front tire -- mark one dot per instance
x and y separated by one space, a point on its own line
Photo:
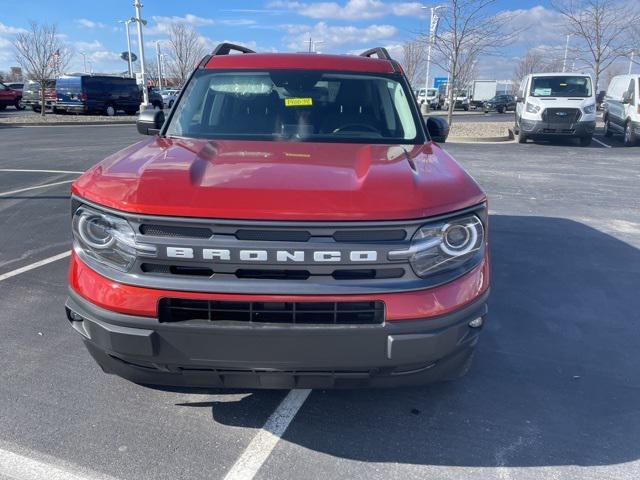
630 138
585 141
607 128
110 111
18 104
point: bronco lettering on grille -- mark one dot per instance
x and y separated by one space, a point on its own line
279 256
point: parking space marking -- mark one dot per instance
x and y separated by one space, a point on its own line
20 190
35 265
39 171
267 438
13 465
601 143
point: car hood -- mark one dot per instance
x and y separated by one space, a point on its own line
279 180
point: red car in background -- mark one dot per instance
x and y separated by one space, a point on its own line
10 98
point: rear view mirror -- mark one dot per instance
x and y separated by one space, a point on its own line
438 129
150 122
626 97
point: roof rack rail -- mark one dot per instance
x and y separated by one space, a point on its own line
380 52
226 48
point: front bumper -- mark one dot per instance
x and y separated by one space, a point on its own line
145 351
542 128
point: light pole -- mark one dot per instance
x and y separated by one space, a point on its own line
433 26
126 27
631 61
84 61
566 50
138 19
312 44
158 56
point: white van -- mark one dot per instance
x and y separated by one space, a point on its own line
432 97
556 105
622 108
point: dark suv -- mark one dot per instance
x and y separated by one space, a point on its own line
500 103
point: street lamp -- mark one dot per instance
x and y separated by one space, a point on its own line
126 26
158 58
138 19
84 61
433 27
312 44
566 50
631 61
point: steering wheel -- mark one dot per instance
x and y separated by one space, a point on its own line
355 127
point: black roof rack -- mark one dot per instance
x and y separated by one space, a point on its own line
226 48
380 52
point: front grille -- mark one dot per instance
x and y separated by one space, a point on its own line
561 115
172 310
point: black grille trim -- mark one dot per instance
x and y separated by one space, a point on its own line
175 231
177 310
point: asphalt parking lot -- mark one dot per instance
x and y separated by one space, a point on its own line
554 392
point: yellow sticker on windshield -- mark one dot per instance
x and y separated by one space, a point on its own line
298 102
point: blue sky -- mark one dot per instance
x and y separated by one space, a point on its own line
345 26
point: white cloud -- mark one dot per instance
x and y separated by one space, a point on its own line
335 36
88 46
353 10
163 24
9 30
86 23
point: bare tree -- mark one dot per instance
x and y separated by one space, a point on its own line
468 31
185 51
535 61
603 29
414 61
41 54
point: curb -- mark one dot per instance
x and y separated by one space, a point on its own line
505 138
66 124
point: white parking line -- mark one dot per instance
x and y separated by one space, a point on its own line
15 466
267 438
32 266
20 190
29 170
601 143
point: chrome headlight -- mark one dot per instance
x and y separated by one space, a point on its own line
107 239
445 245
531 108
590 108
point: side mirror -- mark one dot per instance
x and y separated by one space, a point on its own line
438 129
626 97
150 122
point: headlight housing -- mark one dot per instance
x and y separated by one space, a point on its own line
107 239
590 108
450 244
531 108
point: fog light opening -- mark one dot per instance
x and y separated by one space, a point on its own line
73 316
476 322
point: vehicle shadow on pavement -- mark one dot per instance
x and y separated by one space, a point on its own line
555 380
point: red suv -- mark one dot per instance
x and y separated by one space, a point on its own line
10 97
291 223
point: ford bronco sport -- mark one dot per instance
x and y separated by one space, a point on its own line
291 223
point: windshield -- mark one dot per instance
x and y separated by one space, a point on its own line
561 86
432 92
296 105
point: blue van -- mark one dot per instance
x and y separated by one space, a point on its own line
101 94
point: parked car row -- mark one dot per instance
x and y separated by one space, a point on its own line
94 94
